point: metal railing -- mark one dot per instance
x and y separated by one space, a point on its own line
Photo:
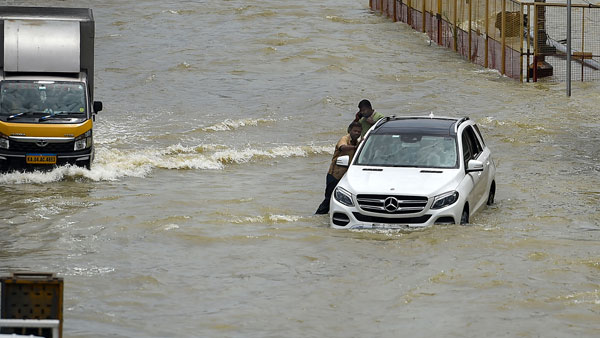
33 323
522 40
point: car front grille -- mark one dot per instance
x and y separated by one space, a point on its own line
389 220
29 147
392 204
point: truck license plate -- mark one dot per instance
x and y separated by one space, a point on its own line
40 159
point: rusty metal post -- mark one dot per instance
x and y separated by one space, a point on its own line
424 11
409 12
582 40
521 23
381 6
503 32
535 41
394 11
455 27
439 21
371 4
528 39
487 32
469 30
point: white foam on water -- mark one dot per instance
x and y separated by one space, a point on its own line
249 219
284 218
168 227
236 124
112 164
266 219
249 154
90 271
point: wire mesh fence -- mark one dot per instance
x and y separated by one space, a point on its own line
551 41
522 40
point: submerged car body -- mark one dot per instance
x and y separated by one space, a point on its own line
415 172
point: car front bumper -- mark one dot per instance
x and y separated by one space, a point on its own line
352 217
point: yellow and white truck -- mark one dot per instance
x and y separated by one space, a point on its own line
47 106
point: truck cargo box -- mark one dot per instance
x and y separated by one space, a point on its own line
47 40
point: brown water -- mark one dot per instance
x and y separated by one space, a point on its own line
219 123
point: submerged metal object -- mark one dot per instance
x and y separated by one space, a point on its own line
30 295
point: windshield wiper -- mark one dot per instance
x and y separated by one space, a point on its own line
14 116
51 115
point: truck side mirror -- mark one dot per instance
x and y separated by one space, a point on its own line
342 161
97 106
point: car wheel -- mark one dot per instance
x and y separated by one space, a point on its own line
464 217
492 194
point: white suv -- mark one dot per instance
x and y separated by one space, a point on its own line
415 172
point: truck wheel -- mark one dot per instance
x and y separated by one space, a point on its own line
84 164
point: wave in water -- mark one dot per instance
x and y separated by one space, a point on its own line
236 124
112 164
270 219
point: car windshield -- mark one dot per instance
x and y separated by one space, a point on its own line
409 150
22 98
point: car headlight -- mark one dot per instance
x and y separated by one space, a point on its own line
445 200
83 141
343 196
4 142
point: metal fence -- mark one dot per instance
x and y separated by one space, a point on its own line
547 41
507 35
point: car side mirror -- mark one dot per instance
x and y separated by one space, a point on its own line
97 106
474 166
343 161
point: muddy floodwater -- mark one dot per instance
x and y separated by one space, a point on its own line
218 127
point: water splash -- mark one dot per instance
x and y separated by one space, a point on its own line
112 164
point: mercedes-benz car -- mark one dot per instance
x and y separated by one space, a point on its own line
413 172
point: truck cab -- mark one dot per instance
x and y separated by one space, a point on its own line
47 109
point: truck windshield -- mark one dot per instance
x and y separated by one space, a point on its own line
43 98
409 150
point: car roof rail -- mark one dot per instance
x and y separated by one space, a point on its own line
381 121
459 122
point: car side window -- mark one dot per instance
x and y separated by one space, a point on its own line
467 152
476 147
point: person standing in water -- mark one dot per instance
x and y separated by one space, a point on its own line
366 116
346 146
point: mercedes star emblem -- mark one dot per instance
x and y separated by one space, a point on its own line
391 204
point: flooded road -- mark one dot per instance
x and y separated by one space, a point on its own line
218 126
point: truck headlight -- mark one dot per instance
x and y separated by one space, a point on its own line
444 200
4 142
343 196
83 141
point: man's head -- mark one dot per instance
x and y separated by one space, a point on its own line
354 129
365 108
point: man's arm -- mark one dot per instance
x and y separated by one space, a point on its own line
343 145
